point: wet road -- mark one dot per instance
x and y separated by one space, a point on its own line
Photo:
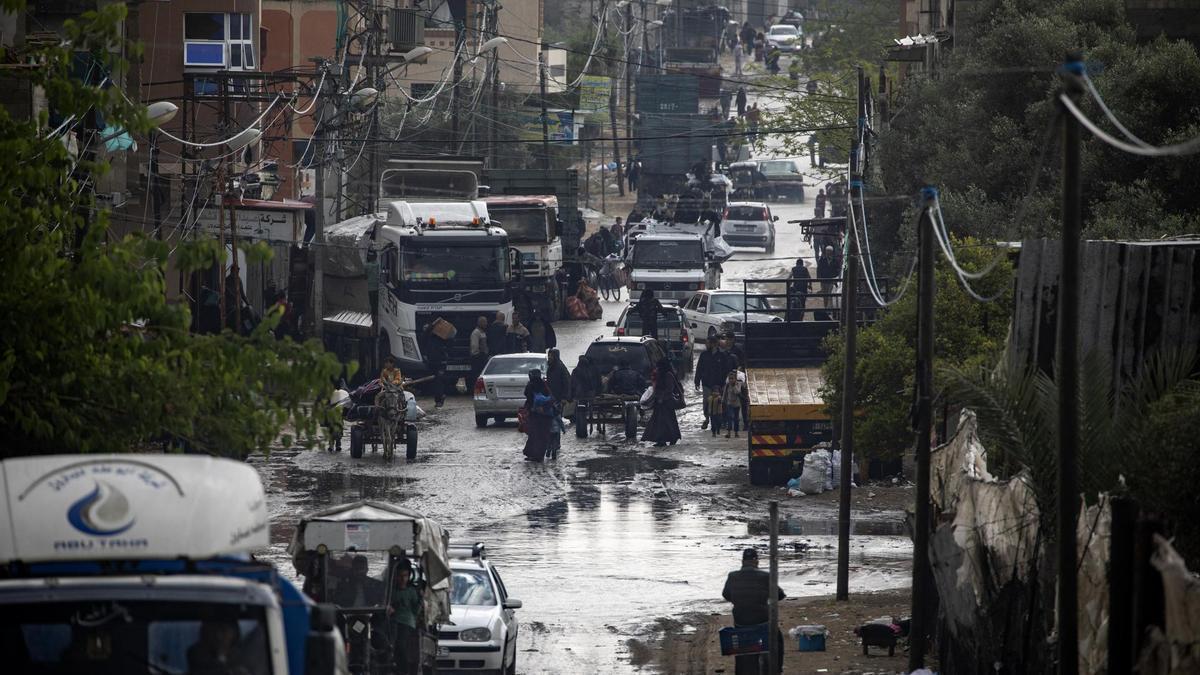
612 535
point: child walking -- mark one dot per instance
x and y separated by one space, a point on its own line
731 400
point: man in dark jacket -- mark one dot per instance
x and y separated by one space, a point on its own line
435 362
497 335
798 298
711 370
749 590
648 308
585 380
559 380
827 271
626 381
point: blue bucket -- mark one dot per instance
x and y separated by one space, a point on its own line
812 638
743 640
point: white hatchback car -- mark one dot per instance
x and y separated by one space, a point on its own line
481 635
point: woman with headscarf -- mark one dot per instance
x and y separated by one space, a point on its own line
537 425
663 427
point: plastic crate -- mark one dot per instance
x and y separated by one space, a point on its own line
812 638
743 640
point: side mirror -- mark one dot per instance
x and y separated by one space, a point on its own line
512 603
611 324
325 653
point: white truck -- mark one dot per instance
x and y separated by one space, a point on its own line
532 225
438 260
675 261
140 564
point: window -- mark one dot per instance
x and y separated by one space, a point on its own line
216 40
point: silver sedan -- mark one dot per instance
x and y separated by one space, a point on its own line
500 389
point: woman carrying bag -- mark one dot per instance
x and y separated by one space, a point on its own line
539 415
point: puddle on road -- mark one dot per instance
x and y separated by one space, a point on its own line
620 465
594 568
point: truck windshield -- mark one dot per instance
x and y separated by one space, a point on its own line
524 225
779 168
111 636
438 265
667 253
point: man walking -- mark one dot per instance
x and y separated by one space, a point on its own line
741 101
435 363
819 206
709 377
479 350
827 271
749 589
497 335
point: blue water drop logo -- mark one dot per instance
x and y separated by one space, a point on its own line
103 512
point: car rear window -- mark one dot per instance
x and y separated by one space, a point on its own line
746 213
668 317
609 355
520 366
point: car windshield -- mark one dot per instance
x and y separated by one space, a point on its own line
471 587
778 168
668 253
524 224
746 213
111 636
723 304
783 30
474 266
515 366
609 355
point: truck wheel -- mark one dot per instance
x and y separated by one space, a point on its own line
760 472
356 442
631 421
410 442
481 421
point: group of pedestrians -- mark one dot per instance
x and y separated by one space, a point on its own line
720 376
499 337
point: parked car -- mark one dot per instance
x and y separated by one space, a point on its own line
749 224
672 332
786 37
711 313
785 178
500 389
482 632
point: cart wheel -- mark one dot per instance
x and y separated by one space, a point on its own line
631 421
356 442
581 421
410 442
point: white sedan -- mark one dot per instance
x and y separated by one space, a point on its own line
481 635
713 313
500 390
786 37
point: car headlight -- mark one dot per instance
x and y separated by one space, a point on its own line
475 635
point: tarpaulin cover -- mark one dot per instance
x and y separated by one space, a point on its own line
431 546
347 242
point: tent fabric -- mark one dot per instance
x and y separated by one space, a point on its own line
431 546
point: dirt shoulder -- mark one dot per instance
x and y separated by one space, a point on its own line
689 644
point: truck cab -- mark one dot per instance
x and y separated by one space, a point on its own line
140 564
439 260
532 225
672 265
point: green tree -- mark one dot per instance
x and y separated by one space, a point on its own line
92 355
967 333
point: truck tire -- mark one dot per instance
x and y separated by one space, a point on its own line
631 421
410 442
759 472
356 442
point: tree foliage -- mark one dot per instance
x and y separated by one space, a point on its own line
967 333
92 355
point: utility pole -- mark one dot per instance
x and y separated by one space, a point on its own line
1068 379
612 112
545 120
234 271
921 575
495 112
221 238
850 327
773 591
459 43
318 163
628 84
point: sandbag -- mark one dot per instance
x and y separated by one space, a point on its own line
816 470
576 309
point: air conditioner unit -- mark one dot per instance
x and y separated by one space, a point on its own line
406 29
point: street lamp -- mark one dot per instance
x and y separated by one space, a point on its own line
415 53
491 45
244 138
364 98
161 112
